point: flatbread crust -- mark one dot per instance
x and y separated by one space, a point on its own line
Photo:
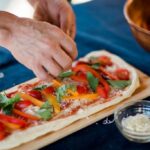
20 137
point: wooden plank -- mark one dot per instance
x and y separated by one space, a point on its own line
141 93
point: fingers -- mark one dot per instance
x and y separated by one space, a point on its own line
62 59
69 47
52 67
40 72
73 31
67 22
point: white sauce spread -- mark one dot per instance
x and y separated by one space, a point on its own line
137 123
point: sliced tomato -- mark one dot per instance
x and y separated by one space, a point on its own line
122 74
102 92
82 89
36 94
105 61
22 104
49 90
10 119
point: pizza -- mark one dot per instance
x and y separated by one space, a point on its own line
35 108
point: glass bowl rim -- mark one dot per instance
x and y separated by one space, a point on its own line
124 129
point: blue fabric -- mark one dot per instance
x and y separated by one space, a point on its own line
100 25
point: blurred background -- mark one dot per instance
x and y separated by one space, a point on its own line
22 8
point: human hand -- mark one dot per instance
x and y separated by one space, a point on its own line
42 47
57 12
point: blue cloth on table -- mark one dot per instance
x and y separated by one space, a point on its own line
100 25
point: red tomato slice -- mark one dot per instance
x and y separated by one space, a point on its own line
22 104
10 119
82 89
102 92
122 74
35 94
49 90
105 61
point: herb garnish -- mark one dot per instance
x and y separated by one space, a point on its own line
66 74
62 91
46 110
6 104
119 84
93 82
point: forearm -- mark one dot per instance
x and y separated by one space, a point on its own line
7 23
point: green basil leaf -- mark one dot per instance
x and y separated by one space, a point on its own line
46 105
40 87
8 109
93 82
96 66
66 74
12 100
3 98
6 104
62 91
46 110
119 84
45 114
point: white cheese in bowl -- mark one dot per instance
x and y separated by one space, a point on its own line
137 123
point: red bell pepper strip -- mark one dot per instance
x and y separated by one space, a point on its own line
105 84
81 77
3 133
102 92
85 68
10 119
111 76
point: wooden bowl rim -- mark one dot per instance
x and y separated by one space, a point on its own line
129 20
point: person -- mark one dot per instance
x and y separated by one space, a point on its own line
44 44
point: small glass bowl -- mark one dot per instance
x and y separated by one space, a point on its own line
132 109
